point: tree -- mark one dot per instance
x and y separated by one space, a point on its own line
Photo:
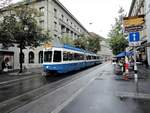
91 43
67 40
117 40
81 42
94 44
21 28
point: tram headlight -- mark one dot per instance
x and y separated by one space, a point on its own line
47 67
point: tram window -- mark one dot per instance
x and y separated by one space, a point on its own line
81 57
57 56
70 56
86 57
47 56
65 57
76 56
89 57
92 57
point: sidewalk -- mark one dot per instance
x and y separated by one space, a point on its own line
142 72
107 95
14 75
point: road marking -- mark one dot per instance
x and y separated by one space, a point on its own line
9 102
63 105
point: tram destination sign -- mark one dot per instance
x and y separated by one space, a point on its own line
134 23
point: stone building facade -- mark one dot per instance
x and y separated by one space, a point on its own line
57 20
138 8
105 51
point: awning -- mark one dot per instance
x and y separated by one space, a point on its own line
123 54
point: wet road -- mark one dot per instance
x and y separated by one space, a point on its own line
22 92
94 90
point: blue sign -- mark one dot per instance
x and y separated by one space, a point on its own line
134 37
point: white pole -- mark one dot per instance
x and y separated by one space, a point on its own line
135 71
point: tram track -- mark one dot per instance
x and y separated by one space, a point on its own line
32 94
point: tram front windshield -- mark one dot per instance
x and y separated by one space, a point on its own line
47 56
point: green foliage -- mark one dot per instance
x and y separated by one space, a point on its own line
117 40
88 43
81 42
67 40
20 27
94 44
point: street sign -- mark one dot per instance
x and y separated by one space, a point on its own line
47 45
134 39
134 23
134 36
133 28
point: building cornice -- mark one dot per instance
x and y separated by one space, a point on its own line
56 1
63 7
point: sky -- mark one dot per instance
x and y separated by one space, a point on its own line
96 15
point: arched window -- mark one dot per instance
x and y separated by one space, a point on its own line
41 57
31 57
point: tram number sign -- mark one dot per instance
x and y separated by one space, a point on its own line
47 45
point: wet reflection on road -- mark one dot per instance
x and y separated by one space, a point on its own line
21 87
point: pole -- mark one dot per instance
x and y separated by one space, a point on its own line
135 71
126 65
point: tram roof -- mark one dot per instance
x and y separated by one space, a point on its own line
76 49
73 48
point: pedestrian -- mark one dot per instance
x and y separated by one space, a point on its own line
5 64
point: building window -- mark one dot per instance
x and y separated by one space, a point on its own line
42 9
42 23
41 57
31 57
55 13
55 25
62 17
55 35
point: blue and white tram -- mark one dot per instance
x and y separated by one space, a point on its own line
67 58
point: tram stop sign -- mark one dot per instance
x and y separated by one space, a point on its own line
134 38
